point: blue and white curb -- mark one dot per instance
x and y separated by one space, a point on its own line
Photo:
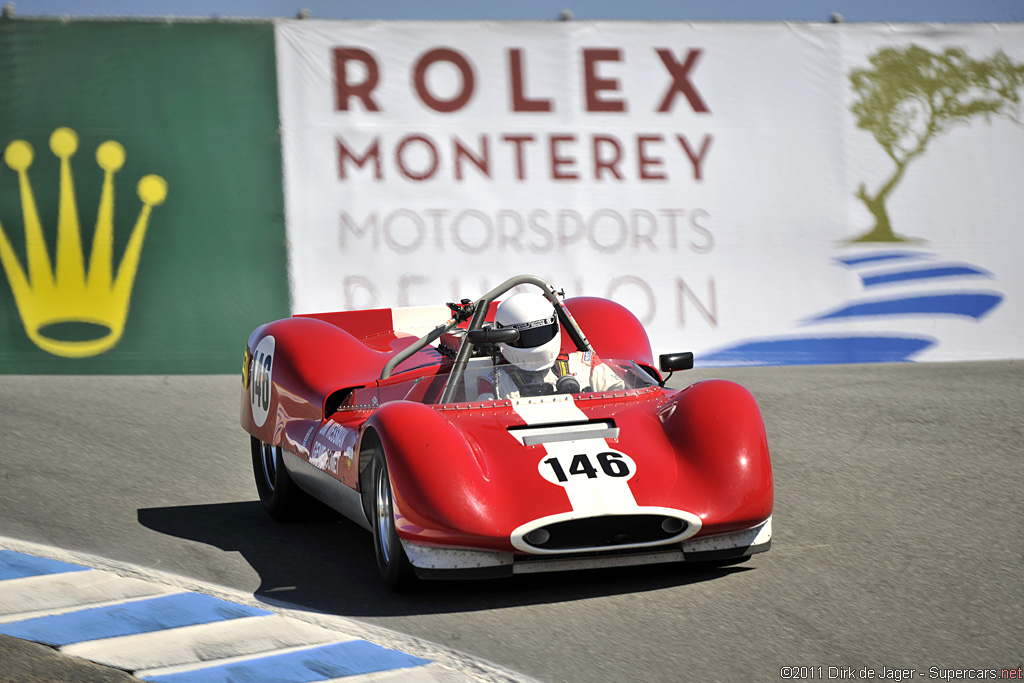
157 629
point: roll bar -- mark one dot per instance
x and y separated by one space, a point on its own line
416 346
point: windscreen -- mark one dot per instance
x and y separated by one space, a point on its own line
488 379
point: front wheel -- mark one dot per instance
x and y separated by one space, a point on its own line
280 495
394 565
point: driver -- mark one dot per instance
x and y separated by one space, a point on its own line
532 365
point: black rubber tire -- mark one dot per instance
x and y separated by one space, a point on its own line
281 497
393 563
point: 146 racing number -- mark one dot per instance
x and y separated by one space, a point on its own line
260 379
570 468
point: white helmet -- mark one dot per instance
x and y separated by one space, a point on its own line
539 341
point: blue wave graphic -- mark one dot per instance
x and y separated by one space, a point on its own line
934 289
860 259
972 305
819 351
933 273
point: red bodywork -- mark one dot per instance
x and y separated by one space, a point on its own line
460 478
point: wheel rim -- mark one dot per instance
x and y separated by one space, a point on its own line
270 464
384 514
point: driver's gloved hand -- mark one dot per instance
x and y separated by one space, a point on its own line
567 384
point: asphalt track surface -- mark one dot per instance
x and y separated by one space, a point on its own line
899 532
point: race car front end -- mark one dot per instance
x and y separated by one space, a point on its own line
436 562
560 483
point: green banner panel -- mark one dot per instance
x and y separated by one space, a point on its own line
140 195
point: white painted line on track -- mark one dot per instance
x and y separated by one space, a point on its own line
192 646
157 672
34 596
431 673
170 629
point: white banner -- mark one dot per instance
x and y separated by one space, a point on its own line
712 177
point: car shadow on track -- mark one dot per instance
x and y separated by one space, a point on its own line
328 565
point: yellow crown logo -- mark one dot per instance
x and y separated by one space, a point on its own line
74 293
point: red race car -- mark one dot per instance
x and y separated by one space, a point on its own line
517 434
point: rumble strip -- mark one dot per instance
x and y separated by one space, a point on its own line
159 630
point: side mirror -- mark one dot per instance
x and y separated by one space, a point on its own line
671 362
493 335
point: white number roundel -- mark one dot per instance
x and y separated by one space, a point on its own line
260 380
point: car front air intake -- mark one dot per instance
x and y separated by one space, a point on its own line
535 435
595 533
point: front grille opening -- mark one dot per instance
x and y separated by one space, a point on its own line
606 532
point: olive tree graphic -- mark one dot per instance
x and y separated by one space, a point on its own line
910 96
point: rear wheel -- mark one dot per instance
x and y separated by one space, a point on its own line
392 561
281 497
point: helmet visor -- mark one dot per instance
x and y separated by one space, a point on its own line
535 332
